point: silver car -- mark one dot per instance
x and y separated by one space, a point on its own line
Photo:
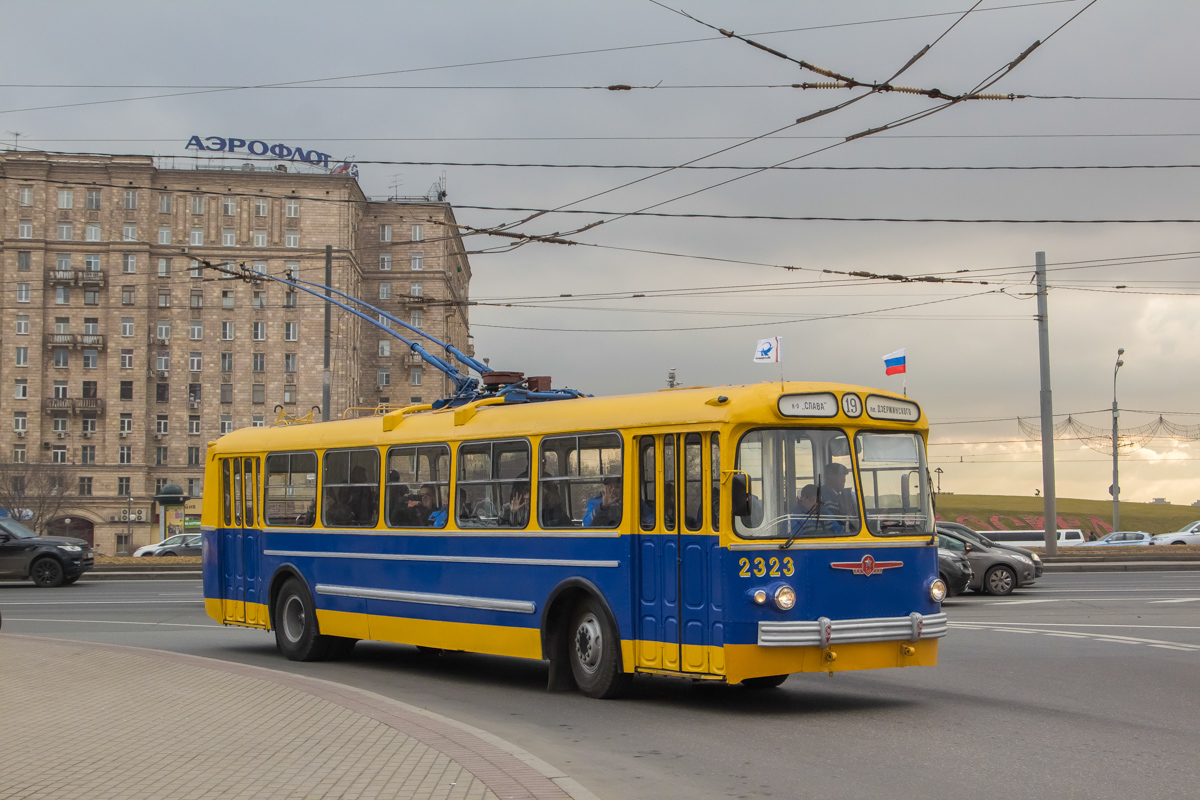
184 544
997 571
1188 534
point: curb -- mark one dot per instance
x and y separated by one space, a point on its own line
450 733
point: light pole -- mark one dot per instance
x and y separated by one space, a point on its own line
1116 486
939 479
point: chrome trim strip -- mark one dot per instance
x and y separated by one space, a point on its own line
426 598
845 544
208 528
524 562
807 633
592 533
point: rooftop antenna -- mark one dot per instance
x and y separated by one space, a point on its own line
397 182
16 139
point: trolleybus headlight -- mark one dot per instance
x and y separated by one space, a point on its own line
760 596
937 591
785 597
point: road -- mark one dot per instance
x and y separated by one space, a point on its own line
1083 686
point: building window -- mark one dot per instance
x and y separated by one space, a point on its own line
22 389
226 393
124 488
193 454
22 292
260 238
161 424
258 394
418 317
258 331
289 394
22 359
226 423
125 454
195 392
159 483
164 268
194 424
385 262
90 359
128 263
195 362
226 298
385 233
418 262
256 421
227 238
93 199
128 295
385 347
163 330
126 359
289 298
228 206
197 301
87 453
164 235
126 390
260 207
291 208
130 199
66 198
385 290
129 233
227 331
65 231
259 300
25 229
126 424
61 357
197 202
25 196
63 261
126 326
415 376
91 297
60 393
163 361
195 273
291 331
160 457
289 362
19 421
24 260
196 237
91 263
226 362
162 392
418 233
22 324
196 330
416 290
58 455
291 239
18 454
89 390
258 362
85 486
164 298
383 377
91 233
164 204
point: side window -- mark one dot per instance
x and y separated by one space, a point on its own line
581 482
646 482
493 484
693 482
291 489
669 493
947 543
418 486
226 493
237 491
350 496
715 471
251 487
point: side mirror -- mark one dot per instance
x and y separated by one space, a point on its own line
741 495
968 547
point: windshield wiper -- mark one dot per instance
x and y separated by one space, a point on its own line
896 524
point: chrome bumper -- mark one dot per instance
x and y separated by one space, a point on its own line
824 632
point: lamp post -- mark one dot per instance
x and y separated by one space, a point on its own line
1116 486
939 479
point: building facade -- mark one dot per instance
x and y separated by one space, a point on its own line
123 356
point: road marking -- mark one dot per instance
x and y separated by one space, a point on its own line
1172 647
1178 600
1112 638
1080 625
117 622
1023 602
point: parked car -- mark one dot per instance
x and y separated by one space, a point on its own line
1188 534
46 560
983 539
184 544
954 568
996 571
1121 539
1067 537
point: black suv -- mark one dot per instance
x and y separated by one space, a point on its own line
47 560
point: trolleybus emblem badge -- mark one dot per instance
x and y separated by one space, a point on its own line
868 566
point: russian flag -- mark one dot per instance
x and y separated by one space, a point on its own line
894 362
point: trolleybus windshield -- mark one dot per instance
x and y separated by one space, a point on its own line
895 486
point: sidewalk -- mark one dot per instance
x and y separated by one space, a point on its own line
105 722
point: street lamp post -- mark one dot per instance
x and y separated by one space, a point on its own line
939 479
1116 486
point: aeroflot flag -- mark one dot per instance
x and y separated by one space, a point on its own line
894 362
767 351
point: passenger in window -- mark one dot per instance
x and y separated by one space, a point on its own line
554 512
835 494
401 505
604 510
360 500
812 515
428 512
516 513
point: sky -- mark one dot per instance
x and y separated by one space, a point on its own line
503 83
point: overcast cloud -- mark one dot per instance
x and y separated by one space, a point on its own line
969 359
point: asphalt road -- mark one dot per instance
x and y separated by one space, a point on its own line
1087 685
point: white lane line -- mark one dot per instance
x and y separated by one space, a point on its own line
1178 600
1069 635
1023 602
1079 625
116 622
1172 647
1191 648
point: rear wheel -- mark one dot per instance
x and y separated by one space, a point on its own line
594 649
46 573
296 632
167 554
1000 581
72 579
1178 542
767 682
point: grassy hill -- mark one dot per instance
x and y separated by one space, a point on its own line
999 512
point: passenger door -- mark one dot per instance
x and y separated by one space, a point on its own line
255 602
233 570
699 572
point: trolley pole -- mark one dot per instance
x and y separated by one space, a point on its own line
1048 508
326 378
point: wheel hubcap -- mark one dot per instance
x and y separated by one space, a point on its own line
589 644
1001 580
293 619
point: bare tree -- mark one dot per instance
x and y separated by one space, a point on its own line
35 493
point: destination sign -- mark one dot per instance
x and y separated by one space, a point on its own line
821 404
890 408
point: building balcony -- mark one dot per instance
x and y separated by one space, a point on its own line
57 404
74 405
92 277
96 340
60 340
60 276
95 404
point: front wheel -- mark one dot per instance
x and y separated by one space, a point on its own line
46 573
72 579
167 554
766 682
1000 581
296 632
595 652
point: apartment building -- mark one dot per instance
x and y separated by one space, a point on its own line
123 355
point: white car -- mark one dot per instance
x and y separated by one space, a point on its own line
1188 534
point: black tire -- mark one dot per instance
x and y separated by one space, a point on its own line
765 682
594 650
296 632
1178 542
1000 581
46 572
69 581
340 647
167 554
